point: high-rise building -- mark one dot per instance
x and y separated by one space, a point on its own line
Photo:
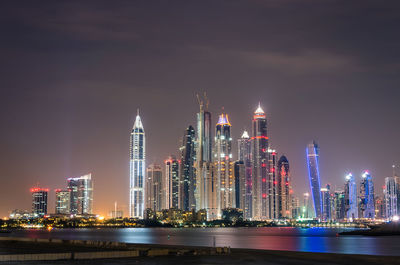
305 210
367 200
312 151
187 172
222 160
81 194
339 205
63 201
137 169
326 203
380 211
39 201
240 184
390 192
272 186
244 154
350 198
259 162
203 154
284 188
154 188
171 184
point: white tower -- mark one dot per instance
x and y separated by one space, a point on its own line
137 167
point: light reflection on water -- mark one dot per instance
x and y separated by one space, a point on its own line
273 238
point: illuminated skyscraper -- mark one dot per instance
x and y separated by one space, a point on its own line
259 166
154 192
63 201
39 201
137 169
223 158
240 184
305 211
339 205
312 151
367 200
81 192
244 154
187 172
350 197
284 188
326 203
203 154
272 210
171 183
390 193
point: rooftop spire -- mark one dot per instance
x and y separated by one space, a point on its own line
259 110
138 122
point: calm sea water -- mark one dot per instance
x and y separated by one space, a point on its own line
270 238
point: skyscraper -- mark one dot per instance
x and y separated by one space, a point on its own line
137 168
390 193
284 188
326 203
39 201
312 151
240 184
350 197
63 201
223 158
259 165
81 194
272 210
203 153
339 205
367 200
171 183
187 172
154 192
244 154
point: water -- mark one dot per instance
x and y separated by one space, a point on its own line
270 238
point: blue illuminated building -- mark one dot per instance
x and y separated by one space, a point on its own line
367 200
314 178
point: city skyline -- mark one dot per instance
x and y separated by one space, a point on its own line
71 87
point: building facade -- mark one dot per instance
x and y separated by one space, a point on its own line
171 184
137 169
81 194
284 188
39 201
63 201
350 198
244 154
222 164
154 191
187 172
259 161
367 200
390 192
312 152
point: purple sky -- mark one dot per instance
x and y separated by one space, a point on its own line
73 74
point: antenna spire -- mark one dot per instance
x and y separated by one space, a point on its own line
138 111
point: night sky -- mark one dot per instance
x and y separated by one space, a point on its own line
73 74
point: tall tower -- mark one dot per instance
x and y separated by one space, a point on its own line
244 154
39 201
272 186
171 183
390 194
259 165
81 194
350 198
137 169
154 192
203 153
187 171
312 151
326 203
284 188
367 200
223 159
